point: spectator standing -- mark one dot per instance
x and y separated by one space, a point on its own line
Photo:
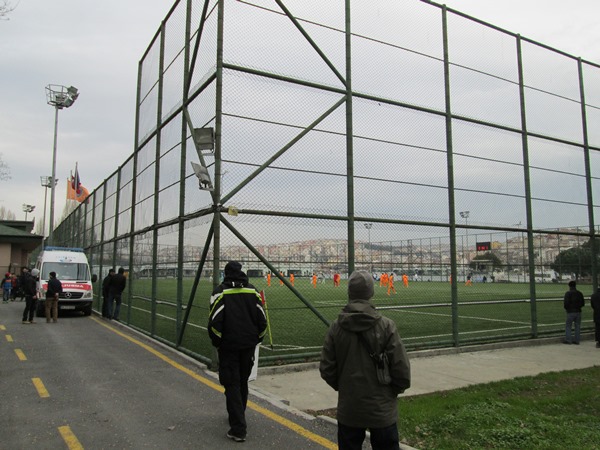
236 325
15 285
363 402
27 283
105 284
116 286
573 302
595 300
52 294
6 287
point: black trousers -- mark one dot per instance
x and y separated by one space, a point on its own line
29 311
351 438
234 370
104 306
597 323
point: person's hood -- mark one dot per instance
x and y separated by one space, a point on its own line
360 285
358 316
234 275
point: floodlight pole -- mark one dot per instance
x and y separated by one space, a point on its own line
52 187
46 183
465 215
59 97
368 226
27 209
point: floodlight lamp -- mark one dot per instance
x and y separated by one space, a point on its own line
204 138
203 176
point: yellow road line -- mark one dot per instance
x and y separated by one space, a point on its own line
20 354
265 412
2 327
9 338
37 382
69 438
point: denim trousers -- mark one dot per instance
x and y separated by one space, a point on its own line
573 318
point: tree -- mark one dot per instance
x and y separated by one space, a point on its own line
7 214
486 261
5 9
577 260
4 170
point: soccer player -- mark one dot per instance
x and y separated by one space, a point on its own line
405 280
314 280
292 278
268 278
336 280
391 287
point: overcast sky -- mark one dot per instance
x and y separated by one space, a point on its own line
96 47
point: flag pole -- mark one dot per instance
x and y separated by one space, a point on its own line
264 299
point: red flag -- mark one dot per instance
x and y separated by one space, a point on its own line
75 190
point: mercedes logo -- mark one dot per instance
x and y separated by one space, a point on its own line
67 295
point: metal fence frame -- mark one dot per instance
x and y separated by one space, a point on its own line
124 213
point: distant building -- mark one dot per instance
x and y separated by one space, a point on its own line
16 244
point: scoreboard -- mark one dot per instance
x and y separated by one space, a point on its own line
484 246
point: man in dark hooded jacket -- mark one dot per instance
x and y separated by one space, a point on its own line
236 325
364 403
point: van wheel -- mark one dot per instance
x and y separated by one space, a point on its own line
87 311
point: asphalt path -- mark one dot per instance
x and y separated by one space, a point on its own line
87 383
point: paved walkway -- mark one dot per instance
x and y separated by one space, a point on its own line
302 388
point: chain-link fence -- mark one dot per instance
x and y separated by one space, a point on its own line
398 137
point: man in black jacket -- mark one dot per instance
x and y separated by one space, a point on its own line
28 285
105 284
573 302
52 293
116 286
236 325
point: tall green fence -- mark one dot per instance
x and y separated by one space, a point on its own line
397 136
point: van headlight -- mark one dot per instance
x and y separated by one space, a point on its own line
88 295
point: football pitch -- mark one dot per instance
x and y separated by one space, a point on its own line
423 312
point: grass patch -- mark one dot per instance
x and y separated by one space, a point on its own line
548 411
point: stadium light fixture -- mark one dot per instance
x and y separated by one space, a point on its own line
59 97
27 209
204 139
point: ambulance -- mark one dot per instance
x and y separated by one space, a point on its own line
73 271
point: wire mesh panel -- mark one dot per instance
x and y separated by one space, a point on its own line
402 138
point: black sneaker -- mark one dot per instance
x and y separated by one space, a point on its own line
235 438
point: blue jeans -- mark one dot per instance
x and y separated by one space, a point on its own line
351 438
574 317
117 307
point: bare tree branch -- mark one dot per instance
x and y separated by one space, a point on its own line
4 170
6 7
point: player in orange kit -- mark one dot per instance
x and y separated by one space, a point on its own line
391 287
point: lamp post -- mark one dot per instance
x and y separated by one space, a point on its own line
465 215
368 226
60 97
27 209
46 183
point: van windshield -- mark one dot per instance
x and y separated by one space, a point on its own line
66 271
